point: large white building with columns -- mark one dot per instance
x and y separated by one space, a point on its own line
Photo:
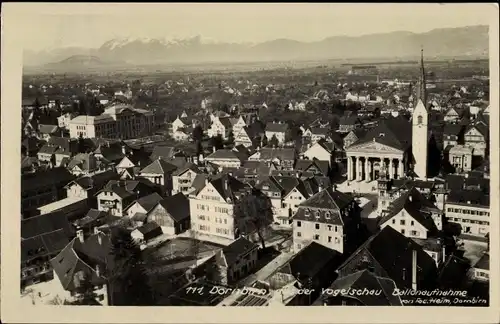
396 147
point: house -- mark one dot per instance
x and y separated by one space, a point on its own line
315 167
413 215
132 162
47 131
57 151
94 218
330 218
42 238
212 207
324 151
182 134
294 191
163 151
239 123
312 268
86 186
235 261
470 209
389 254
183 178
220 126
146 232
344 291
249 136
117 195
314 134
477 137
84 258
31 145
29 164
349 123
279 130
85 164
142 206
460 157
172 214
481 269
41 188
159 172
281 158
226 158
452 115
453 134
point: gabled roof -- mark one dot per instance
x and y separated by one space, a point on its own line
229 187
159 166
45 244
393 132
52 176
224 154
365 279
96 181
150 227
91 216
417 206
48 129
177 206
484 262
393 252
237 249
309 261
77 256
147 202
189 166
305 165
268 153
453 129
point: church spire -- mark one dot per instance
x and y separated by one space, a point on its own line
421 88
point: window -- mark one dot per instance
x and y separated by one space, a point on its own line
299 234
414 233
336 228
330 228
329 239
299 223
317 226
402 222
316 237
299 246
337 240
393 221
403 231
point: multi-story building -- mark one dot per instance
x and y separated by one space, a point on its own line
281 158
159 172
470 209
212 207
453 134
220 126
117 195
183 178
476 137
119 121
460 157
330 218
278 130
225 158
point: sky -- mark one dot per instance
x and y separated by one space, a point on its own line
62 25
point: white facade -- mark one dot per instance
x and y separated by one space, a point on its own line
474 219
460 157
406 225
319 152
420 139
327 235
183 182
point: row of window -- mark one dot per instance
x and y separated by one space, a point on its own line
317 238
412 233
318 226
468 211
224 231
464 220
403 222
209 197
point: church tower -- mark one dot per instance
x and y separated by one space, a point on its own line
420 126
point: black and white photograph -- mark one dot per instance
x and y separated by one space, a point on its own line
256 154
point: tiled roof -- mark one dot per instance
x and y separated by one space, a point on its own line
159 166
393 252
276 127
44 244
268 154
224 154
91 216
177 206
54 176
150 227
417 206
162 151
236 249
189 166
229 187
148 202
96 181
483 262
471 197
47 129
305 165
393 132
77 256
365 279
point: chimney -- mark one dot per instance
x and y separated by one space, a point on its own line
225 183
207 181
214 149
80 236
444 253
124 150
414 270
320 187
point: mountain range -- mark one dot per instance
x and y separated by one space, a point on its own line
471 41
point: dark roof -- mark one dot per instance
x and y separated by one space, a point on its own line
309 261
417 206
148 202
189 166
77 256
228 186
393 252
45 244
91 216
159 166
276 127
305 165
483 262
150 228
38 225
237 249
111 152
163 151
366 279
393 132
96 181
224 154
177 206
469 197
126 188
453 129
48 129
268 153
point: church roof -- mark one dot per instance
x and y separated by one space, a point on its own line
394 132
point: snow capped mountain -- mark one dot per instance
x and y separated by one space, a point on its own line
472 40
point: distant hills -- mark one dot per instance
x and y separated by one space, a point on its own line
461 42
